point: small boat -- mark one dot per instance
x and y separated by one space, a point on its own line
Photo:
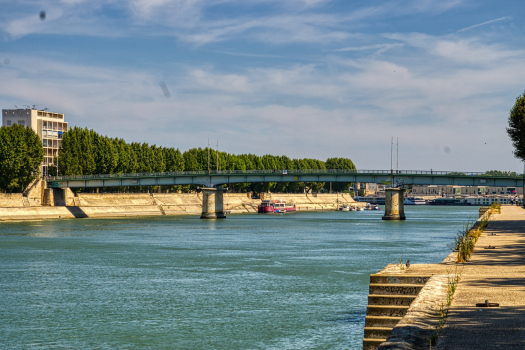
344 208
360 209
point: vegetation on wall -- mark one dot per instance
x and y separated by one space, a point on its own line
21 153
85 152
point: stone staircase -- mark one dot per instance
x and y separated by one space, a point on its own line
389 300
29 187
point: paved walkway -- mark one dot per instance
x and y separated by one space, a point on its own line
497 275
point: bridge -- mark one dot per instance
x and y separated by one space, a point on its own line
212 182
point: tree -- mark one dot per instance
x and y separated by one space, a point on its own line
340 163
21 153
516 129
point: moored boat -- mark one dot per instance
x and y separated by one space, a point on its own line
449 201
275 206
414 201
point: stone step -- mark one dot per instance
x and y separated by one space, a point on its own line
394 289
399 279
372 344
401 300
377 332
391 311
382 321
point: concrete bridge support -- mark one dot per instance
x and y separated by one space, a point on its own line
394 204
212 203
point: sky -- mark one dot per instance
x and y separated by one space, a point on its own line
302 78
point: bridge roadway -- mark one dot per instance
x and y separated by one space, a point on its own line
217 178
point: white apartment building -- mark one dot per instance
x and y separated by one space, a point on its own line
49 127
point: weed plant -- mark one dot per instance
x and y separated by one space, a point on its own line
495 208
401 265
467 237
442 313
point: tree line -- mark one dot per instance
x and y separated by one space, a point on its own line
21 154
85 152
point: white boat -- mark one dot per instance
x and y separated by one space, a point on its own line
414 201
344 208
360 209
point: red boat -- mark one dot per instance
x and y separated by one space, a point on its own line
275 206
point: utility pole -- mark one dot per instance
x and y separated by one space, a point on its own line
391 160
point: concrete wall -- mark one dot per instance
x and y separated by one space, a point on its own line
10 200
114 199
34 213
136 204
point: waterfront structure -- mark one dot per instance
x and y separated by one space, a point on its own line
456 190
370 189
215 179
49 126
394 204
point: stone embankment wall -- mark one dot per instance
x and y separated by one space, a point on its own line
67 204
10 200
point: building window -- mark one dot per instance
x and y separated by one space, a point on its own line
22 122
8 122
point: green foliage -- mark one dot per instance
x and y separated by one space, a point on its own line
21 154
466 239
340 163
500 173
516 129
85 152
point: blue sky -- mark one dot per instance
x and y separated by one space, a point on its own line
304 78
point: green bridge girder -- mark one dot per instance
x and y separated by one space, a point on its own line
216 178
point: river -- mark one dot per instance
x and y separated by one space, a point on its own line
293 281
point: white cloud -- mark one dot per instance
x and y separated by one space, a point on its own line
358 89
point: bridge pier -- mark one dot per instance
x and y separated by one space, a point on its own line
394 204
212 203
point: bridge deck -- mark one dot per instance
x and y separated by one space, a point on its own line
214 178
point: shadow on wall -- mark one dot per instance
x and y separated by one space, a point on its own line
77 212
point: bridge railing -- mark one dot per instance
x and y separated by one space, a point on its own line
282 172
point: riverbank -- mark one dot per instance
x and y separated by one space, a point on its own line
496 275
82 205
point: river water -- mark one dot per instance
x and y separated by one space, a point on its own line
293 281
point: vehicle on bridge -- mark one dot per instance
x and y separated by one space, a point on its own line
276 206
